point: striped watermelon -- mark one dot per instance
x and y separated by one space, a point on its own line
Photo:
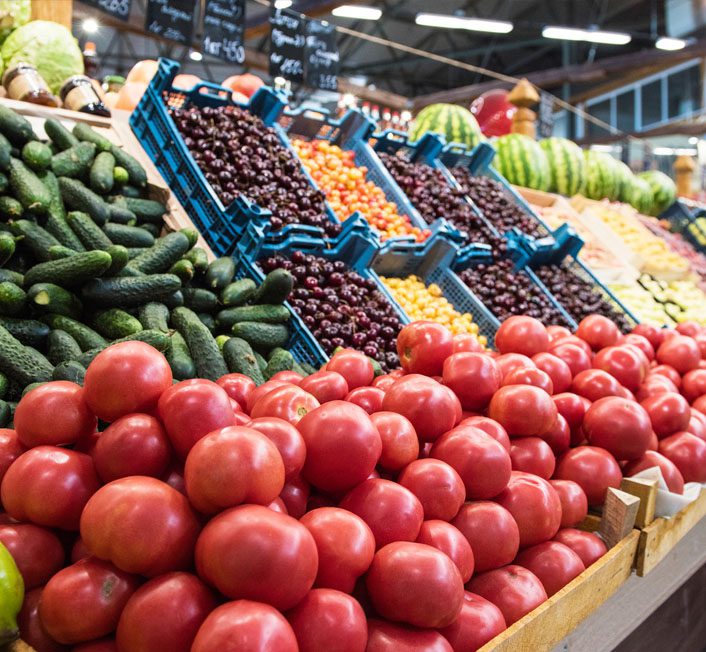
624 176
600 181
455 123
522 161
566 165
664 190
639 195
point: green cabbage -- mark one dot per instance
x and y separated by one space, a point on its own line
13 14
49 47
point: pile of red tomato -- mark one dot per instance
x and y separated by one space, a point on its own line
423 510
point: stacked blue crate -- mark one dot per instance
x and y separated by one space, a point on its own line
682 220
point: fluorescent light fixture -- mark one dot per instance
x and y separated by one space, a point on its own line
666 43
603 148
693 140
589 35
462 22
90 26
195 55
685 151
283 4
674 151
359 12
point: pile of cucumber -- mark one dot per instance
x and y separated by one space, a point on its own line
83 264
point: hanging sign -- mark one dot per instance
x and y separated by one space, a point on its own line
546 115
287 44
321 61
223 26
171 19
119 9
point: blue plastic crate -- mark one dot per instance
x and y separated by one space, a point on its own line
479 163
432 264
682 220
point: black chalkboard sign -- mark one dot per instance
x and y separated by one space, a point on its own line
546 115
321 59
223 22
287 44
117 8
171 19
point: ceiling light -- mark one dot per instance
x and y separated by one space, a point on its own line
685 151
283 4
666 43
603 148
693 140
90 25
589 35
195 55
462 22
357 11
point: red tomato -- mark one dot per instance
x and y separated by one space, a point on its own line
288 376
191 409
522 334
10 450
165 613
277 505
245 626
368 398
466 342
37 552
423 346
445 537
125 378
668 372
700 405
415 584
329 620
101 645
384 382
641 342
437 485
595 384
574 504
694 384
53 414
557 370
490 427
342 446
246 552
479 622
593 469
511 361
492 532
232 466
31 630
697 424
690 328
288 441
598 331
688 453
90 587
263 389
140 524
655 384
135 444
586 545
529 376
523 410
626 364
668 412
473 377
680 352
392 512
572 354
238 387
431 407
700 339
671 474
384 636
535 506
559 436
653 334
400 444
553 563
573 408
557 332
79 551
325 386
354 366
513 589
620 426
532 455
295 495
483 464
287 402
49 486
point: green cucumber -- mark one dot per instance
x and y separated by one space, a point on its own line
261 362
129 291
134 252
260 313
101 175
74 162
12 299
275 288
221 341
174 300
4 183
204 350
200 300
88 134
6 414
179 357
60 135
299 369
5 152
262 337
57 252
279 360
32 386
62 347
7 247
28 188
121 215
128 236
50 298
12 276
4 384
154 316
70 370
56 221
36 155
22 363
75 270
199 258
192 235
79 198
88 232
120 257
10 209
154 229
15 127
184 269
131 191
37 239
220 273
241 359
147 210
120 175
136 173
162 255
159 341
308 369
115 323
208 321
86 337
28 331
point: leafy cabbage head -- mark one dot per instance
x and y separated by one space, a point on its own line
13 14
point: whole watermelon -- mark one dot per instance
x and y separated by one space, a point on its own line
625 177
600 181
664 190
639 195
455 123
566 165
522 161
